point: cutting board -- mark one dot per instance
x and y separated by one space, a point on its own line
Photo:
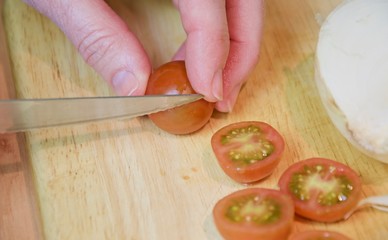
130 180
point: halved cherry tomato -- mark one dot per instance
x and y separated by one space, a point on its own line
318 235
248 151
170 79
254 213
323 190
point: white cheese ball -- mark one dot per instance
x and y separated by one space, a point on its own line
352 73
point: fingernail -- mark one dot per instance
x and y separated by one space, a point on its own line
217 85
125 83
228 104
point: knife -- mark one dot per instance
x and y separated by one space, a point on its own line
18 115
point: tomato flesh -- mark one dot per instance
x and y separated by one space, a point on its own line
254 213
171 79
318 235
323 190
248 151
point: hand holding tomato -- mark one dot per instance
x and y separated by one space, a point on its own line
221 48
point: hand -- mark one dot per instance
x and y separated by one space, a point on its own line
222 45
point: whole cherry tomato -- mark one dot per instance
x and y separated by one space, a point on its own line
171 79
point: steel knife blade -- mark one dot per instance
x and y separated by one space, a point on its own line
18 115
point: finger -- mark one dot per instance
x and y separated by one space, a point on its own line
207 44
181 52
245 20
103 40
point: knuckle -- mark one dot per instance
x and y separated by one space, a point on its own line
94 45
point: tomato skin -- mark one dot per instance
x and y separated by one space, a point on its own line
318 235
310 208
170 79
247 230
253 172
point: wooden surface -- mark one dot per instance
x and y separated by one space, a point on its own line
19 214
128 179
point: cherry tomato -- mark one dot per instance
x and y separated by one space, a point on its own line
254 213
248 151
318 235
170 79
323 190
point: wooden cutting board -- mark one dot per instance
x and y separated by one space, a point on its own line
128 179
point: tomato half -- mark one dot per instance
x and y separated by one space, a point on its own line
323 190
170 79
318 235
254 213
248 151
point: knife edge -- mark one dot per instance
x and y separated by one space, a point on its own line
27 114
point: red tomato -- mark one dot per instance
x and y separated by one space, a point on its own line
170 79
318 235
254 213
248 151
323 190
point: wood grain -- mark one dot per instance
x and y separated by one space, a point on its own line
19 215
130 180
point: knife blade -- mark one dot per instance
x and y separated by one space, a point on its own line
17 115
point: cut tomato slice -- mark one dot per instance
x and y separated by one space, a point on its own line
248 151
323 190
318 235
254 213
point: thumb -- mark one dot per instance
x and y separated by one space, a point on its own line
103 40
